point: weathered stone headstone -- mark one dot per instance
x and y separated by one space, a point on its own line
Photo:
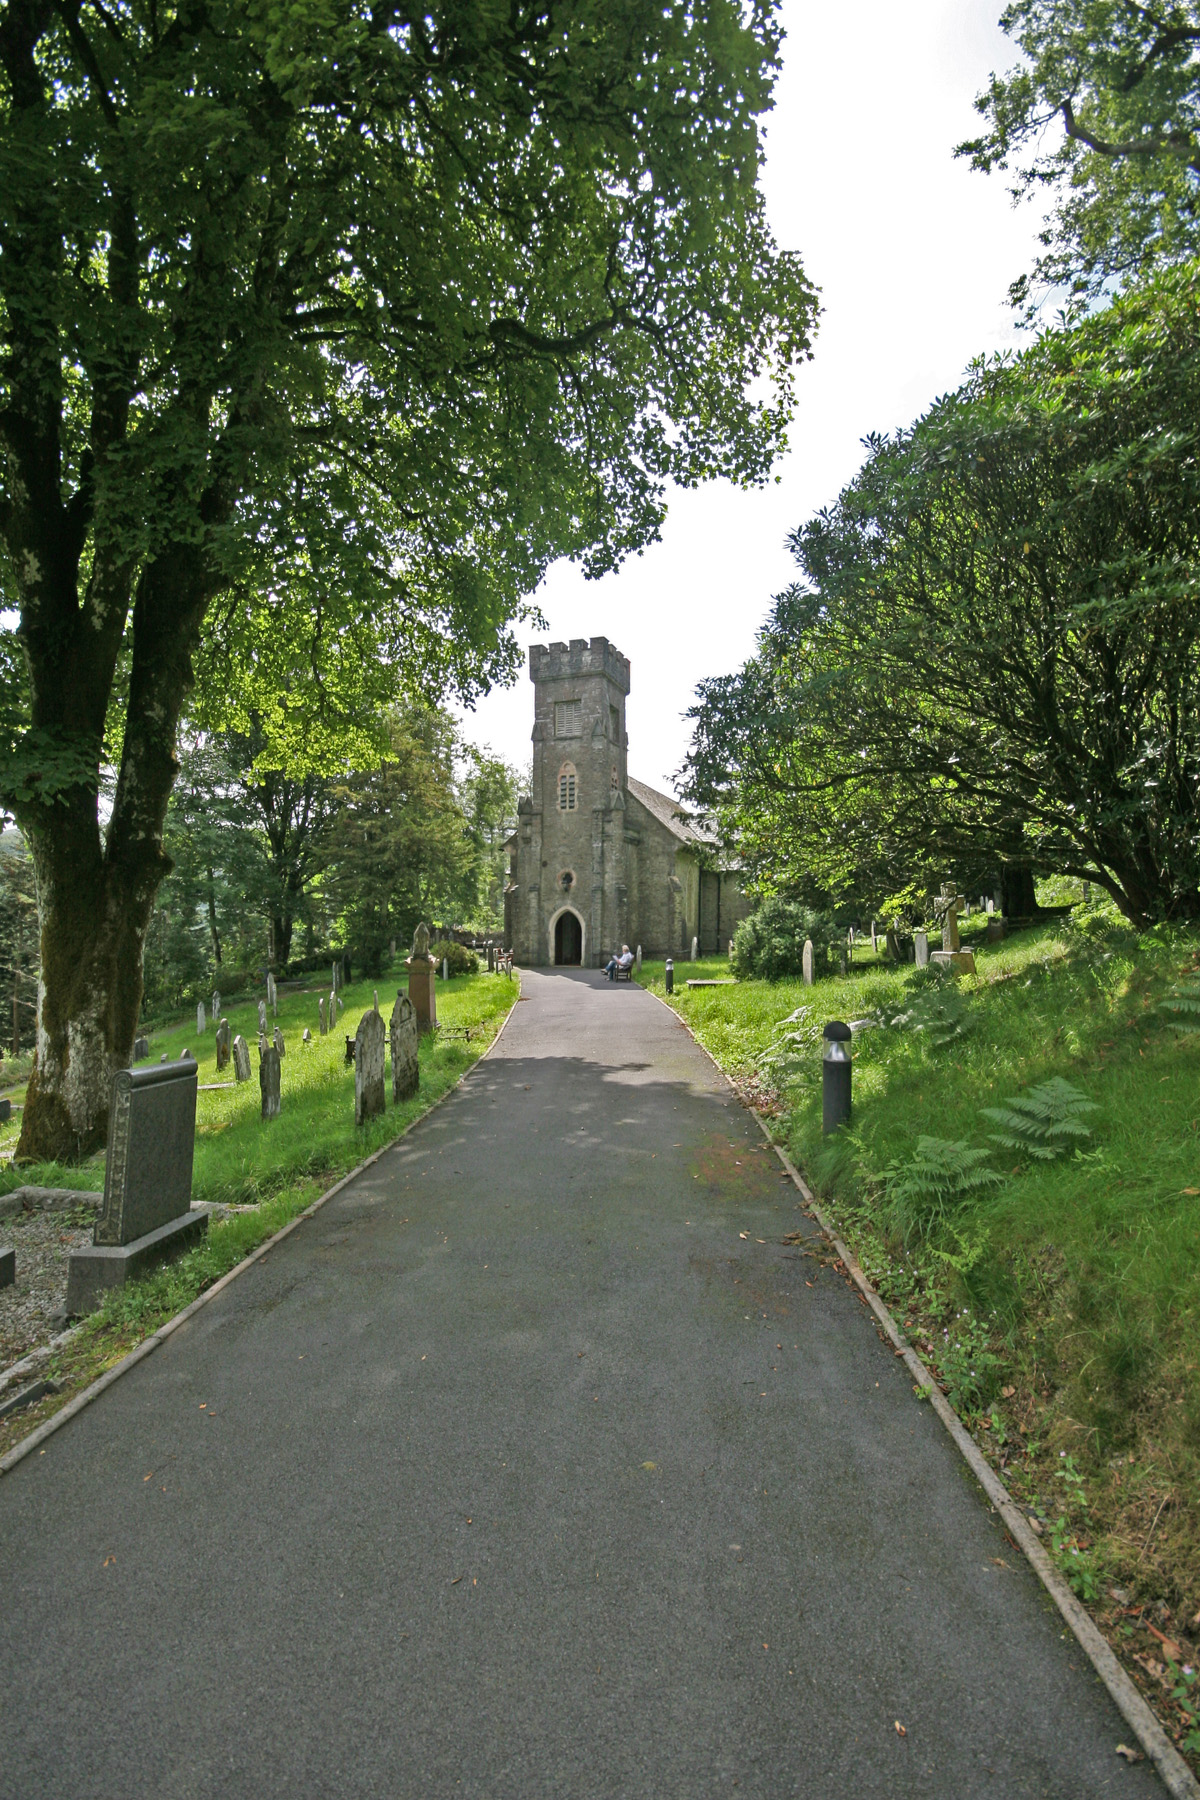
324 1026
184 1054
222 1045
336 1005
695 949
141 1049
369 1042
921 949
445 968
990 906
272 992
262 1018
146 1213
951 955
375 992
637 959
892 944
216 1005
307 1037
806 962
420 980
406 1069
268 1081
241 1058
201 1020
277 1040
335 970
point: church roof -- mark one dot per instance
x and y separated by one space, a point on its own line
668 812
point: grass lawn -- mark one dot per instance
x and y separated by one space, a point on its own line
273 1170
1061 1306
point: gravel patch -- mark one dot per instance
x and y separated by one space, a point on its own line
31 1309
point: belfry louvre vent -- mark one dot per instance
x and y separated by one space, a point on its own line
566 788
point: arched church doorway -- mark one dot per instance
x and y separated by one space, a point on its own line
568 939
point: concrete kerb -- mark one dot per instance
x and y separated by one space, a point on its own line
1177 1777
37 1438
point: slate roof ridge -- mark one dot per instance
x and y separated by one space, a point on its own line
670 813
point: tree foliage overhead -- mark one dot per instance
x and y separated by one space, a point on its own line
995 651
1104 115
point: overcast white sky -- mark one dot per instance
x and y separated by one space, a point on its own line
913 254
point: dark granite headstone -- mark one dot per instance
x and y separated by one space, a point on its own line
147 1181
268 1081
5 1111
406 1069
368 1067
141 1049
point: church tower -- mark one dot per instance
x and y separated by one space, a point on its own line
571 898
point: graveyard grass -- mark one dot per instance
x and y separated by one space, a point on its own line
265 1172
1061 1308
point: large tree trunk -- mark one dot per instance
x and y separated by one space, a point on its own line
96 893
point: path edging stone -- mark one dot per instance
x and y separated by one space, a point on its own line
1180 1783
93 1391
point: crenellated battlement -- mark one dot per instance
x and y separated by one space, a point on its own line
582 656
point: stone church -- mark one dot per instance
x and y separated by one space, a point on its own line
599 859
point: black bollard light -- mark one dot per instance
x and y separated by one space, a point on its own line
670 976
836 1072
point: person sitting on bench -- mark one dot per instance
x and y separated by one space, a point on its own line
622 963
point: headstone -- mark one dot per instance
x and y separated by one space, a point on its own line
921 948
146 1213
967 908
445 968
216 1005
184 1054
637 960
321 1015
695 949
420 980
307 1036
375 992
222 1045
368 1067
892 944
995 930
163 1057
262 1018
268 1081
272 995
241 1058
141 1049
334 971
277 1040
336 1005
5 1111
406 1069
990 906
8 1266
201 1020
947 905
806 962
874 944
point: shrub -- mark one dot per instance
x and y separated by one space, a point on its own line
460 960
770 943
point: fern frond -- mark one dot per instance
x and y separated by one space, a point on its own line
1183 1004
1044 1122
941 1177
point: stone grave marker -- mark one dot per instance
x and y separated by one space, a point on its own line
184 1054
335 1007
272 992
147 1212
806 962
8 1266
375 992
201 1020
695 949
241 1058
951 955
307 1036
421 968
334 972
222 1045
277 1040
368 1068
990 906
637 959
324 1025
874 945
141 1049
406 1069
921 949
268 1081
262 1018
216 1005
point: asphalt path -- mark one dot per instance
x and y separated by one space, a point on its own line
540 1462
